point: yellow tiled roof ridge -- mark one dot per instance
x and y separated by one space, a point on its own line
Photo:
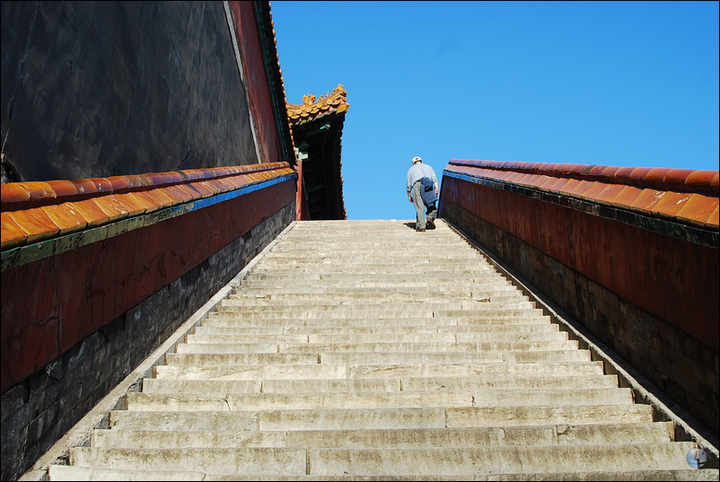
37 211
333 102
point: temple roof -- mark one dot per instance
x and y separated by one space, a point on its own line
312 109
317 126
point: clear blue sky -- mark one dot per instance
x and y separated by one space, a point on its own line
610 83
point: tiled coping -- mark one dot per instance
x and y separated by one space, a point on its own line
42 219
681 203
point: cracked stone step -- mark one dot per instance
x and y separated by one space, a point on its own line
443 437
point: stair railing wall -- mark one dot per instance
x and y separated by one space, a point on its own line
93 282
631 253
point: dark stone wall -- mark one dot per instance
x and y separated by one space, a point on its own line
95 89
684 366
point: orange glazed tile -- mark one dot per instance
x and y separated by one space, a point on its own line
141 201
63 189
157 179
640 172
12 234
610 192
39 190
703 178
698 208
623 172
678 175
136 182
187 193
66 217
191 174
103 185
597 170
201 188
580 188
671 203
235 181
216 187
148 200
576 169
36 223
130 204
568 186
647 199
609 171
712 220
626 196
91 212
13 192
118 183
559 185
657 174
595 190
174 176
85 186
157 199
177 195
112 207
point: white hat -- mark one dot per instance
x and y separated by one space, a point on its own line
416 159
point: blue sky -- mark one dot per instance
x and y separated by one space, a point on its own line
611 83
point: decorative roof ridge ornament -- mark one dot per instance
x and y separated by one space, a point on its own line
311 108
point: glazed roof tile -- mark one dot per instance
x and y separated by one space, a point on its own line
685 195
334 102
35 211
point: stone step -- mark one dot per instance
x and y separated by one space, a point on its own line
137 401
343 338
337 292
232 335
380 418
489 348
398 438
70 473
525 308
411 461
224 387
207 328
486 397
489 319
330 370
360 350
390 303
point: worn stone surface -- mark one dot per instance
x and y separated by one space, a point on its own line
296 378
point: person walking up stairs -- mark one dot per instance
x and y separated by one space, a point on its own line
360 350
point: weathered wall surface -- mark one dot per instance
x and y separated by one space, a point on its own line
646 284
95 89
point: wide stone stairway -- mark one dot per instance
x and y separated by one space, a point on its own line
362 350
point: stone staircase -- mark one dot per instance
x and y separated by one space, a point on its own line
362 350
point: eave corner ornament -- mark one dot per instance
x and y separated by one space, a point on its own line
333 102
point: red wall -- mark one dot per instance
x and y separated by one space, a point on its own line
48 306
673 279
257 89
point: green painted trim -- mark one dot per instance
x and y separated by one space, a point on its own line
21 255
